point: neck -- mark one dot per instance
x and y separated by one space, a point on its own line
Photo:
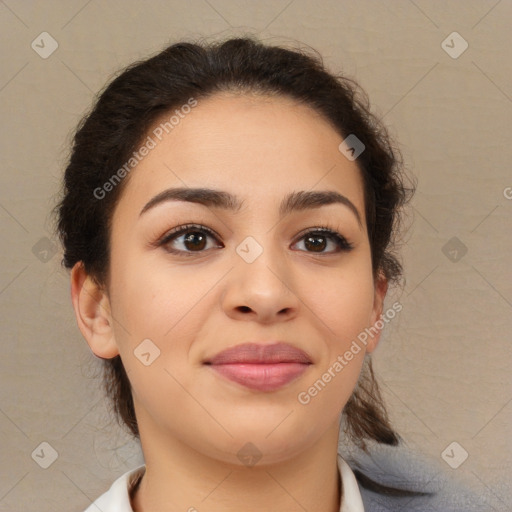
178 478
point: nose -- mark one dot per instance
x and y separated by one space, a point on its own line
261 291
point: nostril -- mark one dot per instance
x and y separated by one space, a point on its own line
244 309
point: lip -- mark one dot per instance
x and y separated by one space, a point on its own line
262 367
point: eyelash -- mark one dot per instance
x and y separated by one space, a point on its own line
343 244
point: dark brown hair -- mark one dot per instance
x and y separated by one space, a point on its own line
130 105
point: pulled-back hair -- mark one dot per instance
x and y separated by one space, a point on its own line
131 104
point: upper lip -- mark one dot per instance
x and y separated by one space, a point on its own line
258 353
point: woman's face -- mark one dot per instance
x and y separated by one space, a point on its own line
176 302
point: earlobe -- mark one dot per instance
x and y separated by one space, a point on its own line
381 288
92 310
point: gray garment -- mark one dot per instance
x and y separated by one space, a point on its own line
401 468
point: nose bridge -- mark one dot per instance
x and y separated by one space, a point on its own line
261 282
263 264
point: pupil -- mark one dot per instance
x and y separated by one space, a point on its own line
192 238
317 247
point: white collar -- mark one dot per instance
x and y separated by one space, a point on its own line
351 498
117 498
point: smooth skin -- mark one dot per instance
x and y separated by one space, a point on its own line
205 298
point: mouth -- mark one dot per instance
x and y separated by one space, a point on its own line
261 367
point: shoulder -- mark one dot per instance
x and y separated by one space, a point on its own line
396 478
117 498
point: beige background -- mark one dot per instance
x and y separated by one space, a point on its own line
446 360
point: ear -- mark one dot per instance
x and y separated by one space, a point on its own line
92 311
381 288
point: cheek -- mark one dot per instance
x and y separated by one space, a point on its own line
342 299
154 301
345 314
342 305
159 311
156 313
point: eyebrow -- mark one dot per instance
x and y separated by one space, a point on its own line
295 201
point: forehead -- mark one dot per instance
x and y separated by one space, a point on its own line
254 146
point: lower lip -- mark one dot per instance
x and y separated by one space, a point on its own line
261 377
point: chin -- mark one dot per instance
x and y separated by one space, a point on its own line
263 444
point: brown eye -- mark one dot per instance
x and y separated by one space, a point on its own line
321 239
195 241
315 243
186 240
